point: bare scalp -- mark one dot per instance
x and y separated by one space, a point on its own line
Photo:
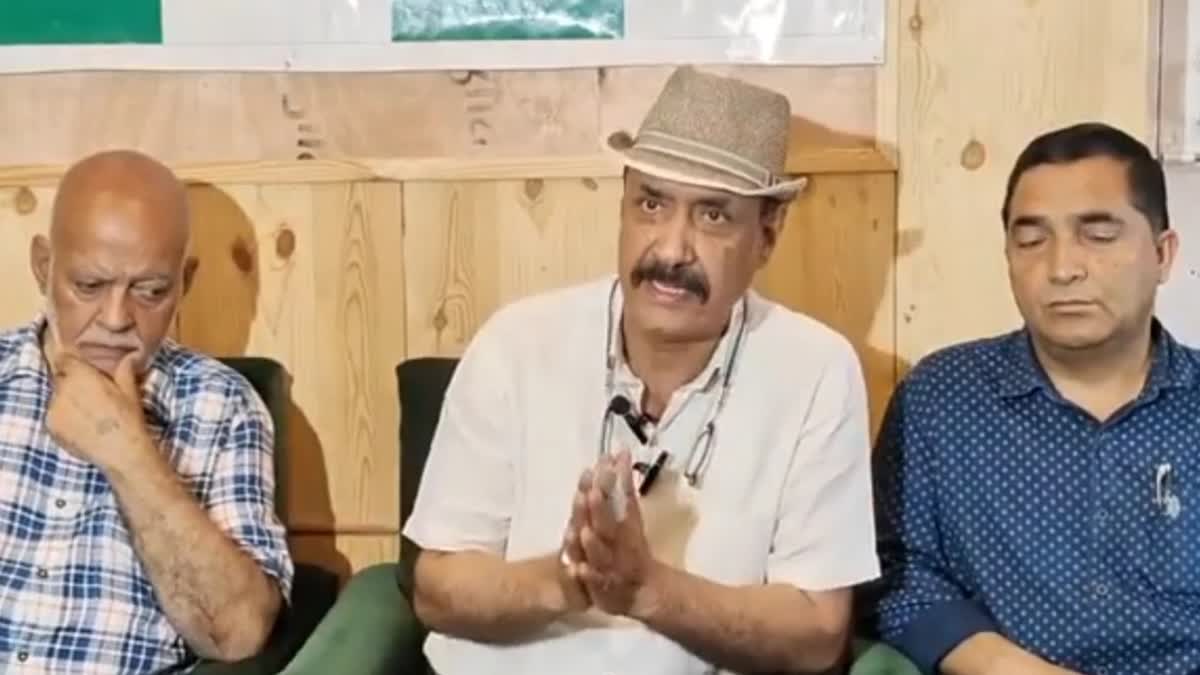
121 181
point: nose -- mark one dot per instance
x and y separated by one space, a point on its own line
1067 263
115 316
675 243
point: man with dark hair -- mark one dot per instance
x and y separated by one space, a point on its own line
1037 491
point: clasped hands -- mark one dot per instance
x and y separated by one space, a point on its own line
95 417
607 563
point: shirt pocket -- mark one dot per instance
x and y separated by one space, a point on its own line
726 543
1167 558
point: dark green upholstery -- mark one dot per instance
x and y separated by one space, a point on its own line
314 589
875 658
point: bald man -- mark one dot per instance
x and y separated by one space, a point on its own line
137 521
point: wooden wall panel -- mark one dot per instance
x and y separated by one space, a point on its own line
345 554
55 118
313 276
472 247
836 263
977 81
24 212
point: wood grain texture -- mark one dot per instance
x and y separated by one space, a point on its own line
970 99
344 554
275 172
472 247
56 118
24 212
312 276
835 262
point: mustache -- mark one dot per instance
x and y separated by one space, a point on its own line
688 277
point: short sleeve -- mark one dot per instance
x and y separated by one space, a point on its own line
240 494
825 537
466 495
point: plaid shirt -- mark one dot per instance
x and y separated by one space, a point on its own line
74 597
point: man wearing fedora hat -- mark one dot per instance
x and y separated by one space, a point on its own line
661 472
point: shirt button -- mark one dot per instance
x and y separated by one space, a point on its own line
1101 590
60 503
42 573
22 656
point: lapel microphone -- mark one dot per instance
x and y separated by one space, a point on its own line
619 405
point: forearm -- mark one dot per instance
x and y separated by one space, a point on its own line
479 596
765 628
214 594
991 654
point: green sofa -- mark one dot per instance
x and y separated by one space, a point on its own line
372 630
314 589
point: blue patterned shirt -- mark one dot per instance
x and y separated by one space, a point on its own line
1005 508
74 597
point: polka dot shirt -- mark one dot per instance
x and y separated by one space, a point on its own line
1002 507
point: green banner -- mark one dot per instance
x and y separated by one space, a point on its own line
80 22
428 20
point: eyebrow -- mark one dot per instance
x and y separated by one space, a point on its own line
1089 217
1085 218
715 202
100 274
654 193
719 203
1028 221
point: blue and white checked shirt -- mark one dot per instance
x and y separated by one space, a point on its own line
74 597
1006 508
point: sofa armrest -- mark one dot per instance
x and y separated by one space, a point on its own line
370 630
877 658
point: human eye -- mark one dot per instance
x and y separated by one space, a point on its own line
649 205
88 287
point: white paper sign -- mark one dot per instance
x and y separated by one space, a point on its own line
389 35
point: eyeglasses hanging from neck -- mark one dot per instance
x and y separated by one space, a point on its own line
619 406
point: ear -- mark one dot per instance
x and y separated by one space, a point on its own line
189 272
39 261
772 226
1166 247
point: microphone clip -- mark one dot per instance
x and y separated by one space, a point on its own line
622 407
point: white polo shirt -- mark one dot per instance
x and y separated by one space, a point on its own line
784 495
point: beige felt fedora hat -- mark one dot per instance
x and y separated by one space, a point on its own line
716 132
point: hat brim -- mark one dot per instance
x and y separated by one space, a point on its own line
671 167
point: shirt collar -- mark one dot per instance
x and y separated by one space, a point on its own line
711 373
26 360
1170 367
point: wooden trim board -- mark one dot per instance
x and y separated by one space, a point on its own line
824 161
